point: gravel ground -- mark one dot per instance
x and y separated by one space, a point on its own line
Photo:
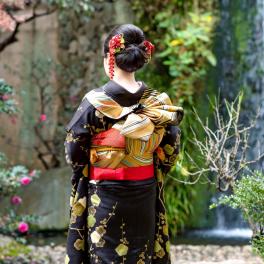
209 254
185 254
181 254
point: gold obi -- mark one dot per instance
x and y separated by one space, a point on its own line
131 142
132 153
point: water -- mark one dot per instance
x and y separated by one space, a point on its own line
236 236
229 229
235 233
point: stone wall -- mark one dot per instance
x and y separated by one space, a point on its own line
37 40
74 44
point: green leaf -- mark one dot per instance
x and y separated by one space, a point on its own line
211 58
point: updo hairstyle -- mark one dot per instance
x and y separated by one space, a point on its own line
134 56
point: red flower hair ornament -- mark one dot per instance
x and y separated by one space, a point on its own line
149 47
117 44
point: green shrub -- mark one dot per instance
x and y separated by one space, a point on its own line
13 249
187 51
14 253
12 179
258 244
7 102
248 196
178 207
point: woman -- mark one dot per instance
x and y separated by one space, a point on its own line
121 142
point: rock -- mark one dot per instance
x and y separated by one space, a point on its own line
83 40
48 197
73 47
213 254
4 240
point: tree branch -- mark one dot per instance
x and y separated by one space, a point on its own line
11 38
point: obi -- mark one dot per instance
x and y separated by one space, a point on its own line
114 156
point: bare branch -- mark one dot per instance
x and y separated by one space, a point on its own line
224 149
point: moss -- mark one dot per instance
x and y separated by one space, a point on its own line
241 31
13 249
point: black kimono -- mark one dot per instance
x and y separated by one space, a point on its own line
121 221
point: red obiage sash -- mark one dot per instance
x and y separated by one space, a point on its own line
129 173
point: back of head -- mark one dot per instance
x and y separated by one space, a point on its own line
134 55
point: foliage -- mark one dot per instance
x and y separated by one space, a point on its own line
7 103
77 6
182 32
14 252
13 249
9 224
9 179
183 36
178 207
12 178
186 52
258 244
248 196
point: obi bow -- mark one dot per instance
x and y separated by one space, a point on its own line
142 119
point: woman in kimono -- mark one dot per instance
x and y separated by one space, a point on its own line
121 142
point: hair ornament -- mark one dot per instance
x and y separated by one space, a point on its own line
116 44
149 47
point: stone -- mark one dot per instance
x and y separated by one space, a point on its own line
48 197
83 40
73 47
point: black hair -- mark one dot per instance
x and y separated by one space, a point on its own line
134 56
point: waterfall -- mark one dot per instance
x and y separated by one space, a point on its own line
255 80
240 54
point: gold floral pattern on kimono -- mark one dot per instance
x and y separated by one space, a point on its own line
96 236
122 248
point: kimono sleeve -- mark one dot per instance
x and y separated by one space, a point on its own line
77 142
169 148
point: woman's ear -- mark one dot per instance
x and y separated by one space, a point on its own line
106 64
107 57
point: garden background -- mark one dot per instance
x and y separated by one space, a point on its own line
209 57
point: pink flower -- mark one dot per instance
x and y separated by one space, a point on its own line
13 120
5 97
23 227
32 173
25 180
73 99
6 21
42 118
16 200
